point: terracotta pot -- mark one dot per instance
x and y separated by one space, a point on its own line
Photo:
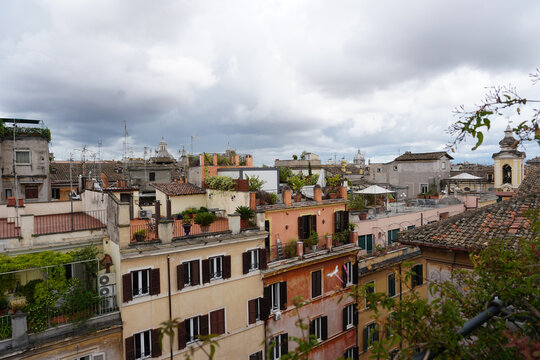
297 198
333 195
205 228
244 224
362 215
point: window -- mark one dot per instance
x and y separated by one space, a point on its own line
316 284
443 165
341 221
277 293
423 188
141 282
254 259
306 225
217 322
143 348
319 328
31 192
258 309
391 280
378 170
392 235
410 227
417 276
9 193
395 167
218 267
257 356
348 273
370 289
371 334
279 346
151 176
55 193
349 316
187 274
351 353
22 157
365 242
140 346
192 329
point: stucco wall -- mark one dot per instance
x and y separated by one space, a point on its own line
180 203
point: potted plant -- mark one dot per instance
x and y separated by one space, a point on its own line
17 303
204 220
186 224
246 213
297 182
312 240
140 235
290 249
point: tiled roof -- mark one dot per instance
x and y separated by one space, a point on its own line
177 189
60 170
473 230
408 156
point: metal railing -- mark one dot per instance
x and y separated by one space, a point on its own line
340 239
143 232
5 327
67 222
220 225
59 316
10 228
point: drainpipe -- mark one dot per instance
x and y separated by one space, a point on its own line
170 308
400 297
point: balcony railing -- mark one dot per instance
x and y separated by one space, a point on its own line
10 228
143 231
220 225
5 327
67 222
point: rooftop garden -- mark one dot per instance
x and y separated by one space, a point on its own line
7 132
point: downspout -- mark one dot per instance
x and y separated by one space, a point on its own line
357 312
400 297
170 308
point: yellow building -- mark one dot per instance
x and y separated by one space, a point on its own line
508 163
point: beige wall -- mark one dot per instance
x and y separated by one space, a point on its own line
226 200
518 171
180 203
232 294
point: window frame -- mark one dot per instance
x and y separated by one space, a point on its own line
392 235
371 334
349 309
191 336
317 327
275 352
275 295
135 337
349 353
140 279
254 255
392 274
152 176
214 261
424 188
349 271
29 152
320 284
415 279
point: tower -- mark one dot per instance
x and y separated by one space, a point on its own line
508 163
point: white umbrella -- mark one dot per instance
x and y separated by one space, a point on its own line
374 190
465 176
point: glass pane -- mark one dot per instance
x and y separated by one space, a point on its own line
146 335
22 157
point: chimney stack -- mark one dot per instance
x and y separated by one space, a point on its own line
317 193
287 196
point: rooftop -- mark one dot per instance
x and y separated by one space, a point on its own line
178 189
428 156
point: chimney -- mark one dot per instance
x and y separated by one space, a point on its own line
252 203
329 242
317 193
169 215
342 192
300 249
214 160
287 196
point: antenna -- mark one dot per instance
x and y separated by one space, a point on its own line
192 138
99 163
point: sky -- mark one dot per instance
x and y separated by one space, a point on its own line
269 78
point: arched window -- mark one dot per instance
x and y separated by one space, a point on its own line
507 174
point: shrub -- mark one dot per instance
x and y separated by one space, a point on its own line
255 184
290 249
245 212
204 218
273 198
356 202
284 174
218 182
140 235
313 239
334 181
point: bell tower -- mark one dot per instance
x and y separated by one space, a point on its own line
508 163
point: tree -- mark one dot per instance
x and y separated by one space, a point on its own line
510 273
497 102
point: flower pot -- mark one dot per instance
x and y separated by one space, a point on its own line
244 224
187 229
333 195
362 215
205 228
297 198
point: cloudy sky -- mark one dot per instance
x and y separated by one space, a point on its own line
271 78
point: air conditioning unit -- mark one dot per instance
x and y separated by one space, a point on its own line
105 291
107 279
144 214
277 315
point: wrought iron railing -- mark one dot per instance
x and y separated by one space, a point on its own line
67 222
220 225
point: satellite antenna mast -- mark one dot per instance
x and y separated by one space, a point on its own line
99 163
192 138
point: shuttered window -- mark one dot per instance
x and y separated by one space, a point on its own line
316 284
140 283
370 289
253 260
188 274
371 334
391 279
279 345
307 224
418 275
217 322
349 316
214 268
319 328
392 235
254 310
341 221
277 293
143 345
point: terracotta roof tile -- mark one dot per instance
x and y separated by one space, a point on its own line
408 156
177 189
473 230
60 170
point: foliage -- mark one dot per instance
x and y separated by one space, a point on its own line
296 182
186 220
218 182
342 237
313 239
140 235
269 198
273 198
312 179
334 181
204 218
255 184
284 174
7 132
207 159
290 249
245 212
499 101
502 270
194 160
356 201
168 328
